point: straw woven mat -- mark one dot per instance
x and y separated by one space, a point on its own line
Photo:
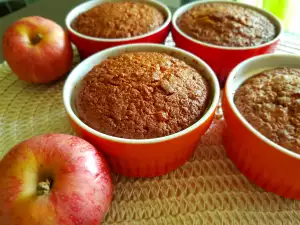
206 190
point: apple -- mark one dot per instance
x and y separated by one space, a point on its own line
54 179
37 49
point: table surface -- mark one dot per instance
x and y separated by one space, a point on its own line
208 189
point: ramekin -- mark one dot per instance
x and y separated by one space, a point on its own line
142 157
87 45
267 164
222 59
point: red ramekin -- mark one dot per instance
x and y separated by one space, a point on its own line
267 164
222 59
87 45
142 157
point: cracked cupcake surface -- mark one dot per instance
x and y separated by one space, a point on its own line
118 20
142 95
270 102
227 24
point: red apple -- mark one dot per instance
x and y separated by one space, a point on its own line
37 49
54 179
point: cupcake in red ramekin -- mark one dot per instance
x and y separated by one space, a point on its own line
224 33
145 106
99 24
261 107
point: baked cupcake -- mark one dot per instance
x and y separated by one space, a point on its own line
142 95
270 102
118 20
227 24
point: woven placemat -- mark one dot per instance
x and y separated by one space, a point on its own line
206 190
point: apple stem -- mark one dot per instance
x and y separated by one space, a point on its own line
43 188
36 39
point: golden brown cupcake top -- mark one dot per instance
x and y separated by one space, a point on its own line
142 95
227 24
270 102
118 20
